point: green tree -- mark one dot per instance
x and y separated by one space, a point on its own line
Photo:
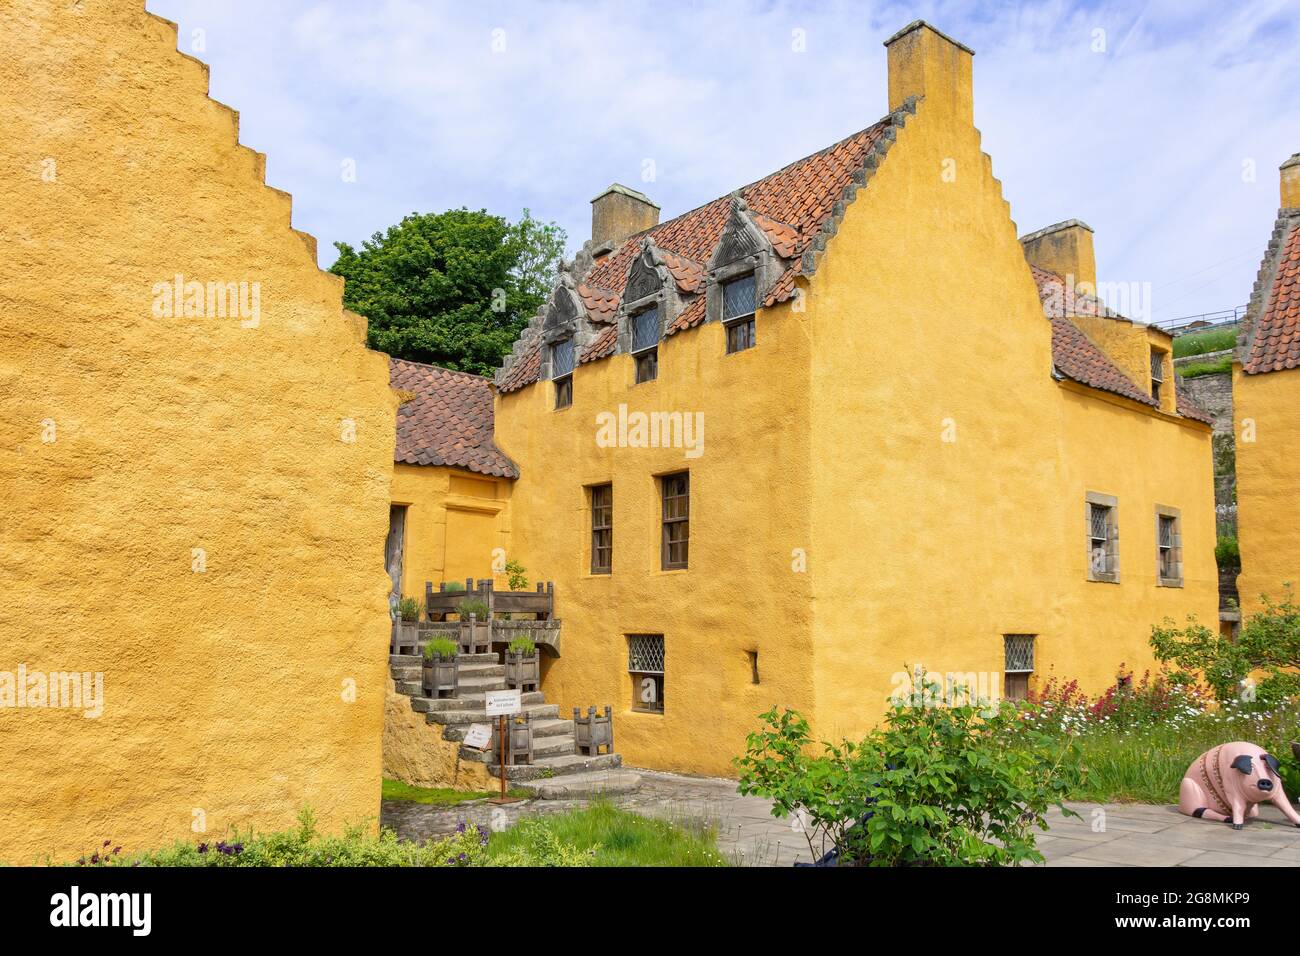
1269 643
453 288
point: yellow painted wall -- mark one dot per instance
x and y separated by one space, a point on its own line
750 508
454 522
921 323
1267 409
129 439
416 753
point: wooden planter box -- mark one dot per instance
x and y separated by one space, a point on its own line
406 634
440 677
523 670
592 732
475 634
519 739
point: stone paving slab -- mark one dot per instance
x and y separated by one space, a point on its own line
748 834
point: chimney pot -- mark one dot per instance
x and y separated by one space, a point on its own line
1066 249
620 212
1291 183
932 66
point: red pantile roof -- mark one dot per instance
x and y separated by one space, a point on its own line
1272 340
601 304
1080 359
790 206
603 346
448 422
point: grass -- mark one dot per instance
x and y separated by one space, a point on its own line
1199 343
1147 764
614 837
1197 369
438 796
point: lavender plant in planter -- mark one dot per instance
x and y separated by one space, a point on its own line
441 673
523 664
406 625
475 625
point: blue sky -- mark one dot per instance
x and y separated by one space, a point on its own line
1166 141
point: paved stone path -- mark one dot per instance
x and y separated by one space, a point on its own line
748 835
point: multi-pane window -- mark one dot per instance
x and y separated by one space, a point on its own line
1103 537
645 662
562 372
1169 547
676 493
1157 372
645 344
1018 665
602 529
739 300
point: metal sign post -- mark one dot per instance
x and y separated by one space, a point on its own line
502 704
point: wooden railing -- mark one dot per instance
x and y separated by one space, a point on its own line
438 604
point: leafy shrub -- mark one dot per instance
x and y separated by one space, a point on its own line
937 785
1227 552
1269 642
470 606
408 608
440 647
523 644
516 575
536 844
455 586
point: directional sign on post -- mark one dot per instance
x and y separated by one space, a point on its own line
503 703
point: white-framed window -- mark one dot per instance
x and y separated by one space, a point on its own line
645 663
1169 547
1102 518
739 302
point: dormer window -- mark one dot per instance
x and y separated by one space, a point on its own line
739 300
562 372
1157 372
645 344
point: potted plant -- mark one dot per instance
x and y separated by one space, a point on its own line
475 625
523 665
406 625
441 672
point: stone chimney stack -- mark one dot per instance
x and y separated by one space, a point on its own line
1291 183
1066 249
925 63
619 212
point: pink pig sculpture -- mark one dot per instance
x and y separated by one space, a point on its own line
1230 781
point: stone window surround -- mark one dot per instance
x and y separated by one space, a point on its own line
1168 511
1112 542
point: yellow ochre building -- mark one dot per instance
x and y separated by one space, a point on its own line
836 425
1266 405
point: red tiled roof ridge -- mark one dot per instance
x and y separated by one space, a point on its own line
1269 340
443 368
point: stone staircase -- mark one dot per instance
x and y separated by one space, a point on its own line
558 771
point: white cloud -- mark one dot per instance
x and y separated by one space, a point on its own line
1144 141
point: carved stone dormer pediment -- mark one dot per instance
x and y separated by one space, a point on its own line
565 318
650 284
743 248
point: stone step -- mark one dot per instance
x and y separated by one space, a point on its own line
542 747
477 717
548 727
549 767
475 702
583 786
398 660
410 672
